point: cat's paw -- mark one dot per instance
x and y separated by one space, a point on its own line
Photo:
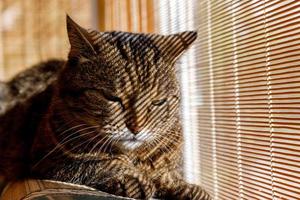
132 185
193 192
182 191
136 186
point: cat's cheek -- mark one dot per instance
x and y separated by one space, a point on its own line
115 109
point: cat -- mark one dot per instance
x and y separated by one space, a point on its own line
108 117
23 102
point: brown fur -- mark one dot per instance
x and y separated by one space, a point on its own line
108 119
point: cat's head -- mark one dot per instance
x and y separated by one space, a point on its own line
124 84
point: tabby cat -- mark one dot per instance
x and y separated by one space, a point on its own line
108 117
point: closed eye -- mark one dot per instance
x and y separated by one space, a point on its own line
158 102
113 98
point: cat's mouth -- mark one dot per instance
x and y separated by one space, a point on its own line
131 142
133 139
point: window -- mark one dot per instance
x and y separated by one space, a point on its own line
242 84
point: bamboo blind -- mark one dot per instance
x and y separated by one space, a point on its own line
244 95
126 15
34 30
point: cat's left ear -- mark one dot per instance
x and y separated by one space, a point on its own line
175 45
80 40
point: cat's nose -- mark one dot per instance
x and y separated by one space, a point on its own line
134 129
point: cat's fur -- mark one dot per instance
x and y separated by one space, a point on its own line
107 118
23 103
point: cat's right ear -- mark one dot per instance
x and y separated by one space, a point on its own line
80 40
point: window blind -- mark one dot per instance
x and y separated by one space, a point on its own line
126 15
34 30
244 106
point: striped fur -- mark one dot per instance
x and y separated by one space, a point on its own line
113 120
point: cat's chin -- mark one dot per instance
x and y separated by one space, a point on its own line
131 145
130 142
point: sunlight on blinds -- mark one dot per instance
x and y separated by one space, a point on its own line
208 123
241 95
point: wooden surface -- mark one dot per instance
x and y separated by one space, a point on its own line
52 190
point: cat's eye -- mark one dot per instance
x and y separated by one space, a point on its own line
113 98
158 102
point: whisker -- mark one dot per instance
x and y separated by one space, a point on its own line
104 144
83 134
58 145
79 131
115 142
98 143
80 125
90 140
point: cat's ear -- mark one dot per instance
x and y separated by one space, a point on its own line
80 40
175 45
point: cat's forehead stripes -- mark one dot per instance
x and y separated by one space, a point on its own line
129 45
142 68
88 42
